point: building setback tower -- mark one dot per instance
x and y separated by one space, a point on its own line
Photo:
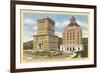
45 38
72 36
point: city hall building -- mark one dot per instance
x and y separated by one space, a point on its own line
72 37
45 38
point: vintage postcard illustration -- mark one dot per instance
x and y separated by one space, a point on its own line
54 35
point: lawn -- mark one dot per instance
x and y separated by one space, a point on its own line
47 53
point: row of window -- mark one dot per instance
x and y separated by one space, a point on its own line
73 42
71 30
78 33
72 38
71 49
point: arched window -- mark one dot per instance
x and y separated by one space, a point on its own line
70 49
78 49
73 48
67 49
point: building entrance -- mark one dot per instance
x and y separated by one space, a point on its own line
40 45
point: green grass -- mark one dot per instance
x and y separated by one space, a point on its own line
47 53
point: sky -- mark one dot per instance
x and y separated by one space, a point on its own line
61 21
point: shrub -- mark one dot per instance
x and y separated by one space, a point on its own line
47 53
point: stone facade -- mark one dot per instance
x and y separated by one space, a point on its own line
72 36
45 38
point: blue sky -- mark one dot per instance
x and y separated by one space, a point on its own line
61 21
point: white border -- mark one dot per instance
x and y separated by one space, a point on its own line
54 63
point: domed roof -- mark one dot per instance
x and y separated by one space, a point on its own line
73 22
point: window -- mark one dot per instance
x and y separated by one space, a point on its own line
78 49
70 38
67 38
73 35
73 42
67 33
70 33
70 48
73 48
78 41
67 49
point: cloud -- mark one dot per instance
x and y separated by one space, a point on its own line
29 21
30 24
59 26
30 28
27 38
84 28
85 34
59 34
83 25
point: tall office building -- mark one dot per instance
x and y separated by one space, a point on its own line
72 36
45 38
